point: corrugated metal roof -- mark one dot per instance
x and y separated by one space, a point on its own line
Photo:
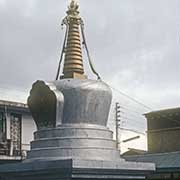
162 160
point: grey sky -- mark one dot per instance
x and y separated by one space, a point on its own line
134 44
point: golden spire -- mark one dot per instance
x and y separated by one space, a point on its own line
73 63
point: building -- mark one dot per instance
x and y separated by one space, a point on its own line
163 144
16 131
164 129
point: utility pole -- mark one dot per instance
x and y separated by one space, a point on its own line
118 123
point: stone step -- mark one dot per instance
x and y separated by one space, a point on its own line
77 153
86 132
70 142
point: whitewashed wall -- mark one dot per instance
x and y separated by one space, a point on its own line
8 125
28 128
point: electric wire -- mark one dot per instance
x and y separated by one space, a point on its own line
131 130
133 111
132 115
132 99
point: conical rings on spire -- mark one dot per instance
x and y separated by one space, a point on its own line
73 63
72 52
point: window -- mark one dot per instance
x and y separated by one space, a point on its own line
15 133
1 122
2 127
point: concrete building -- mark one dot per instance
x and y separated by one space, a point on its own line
163 131
163 144
16 131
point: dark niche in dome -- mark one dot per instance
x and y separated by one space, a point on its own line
42 104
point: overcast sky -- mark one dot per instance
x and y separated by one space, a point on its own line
135 46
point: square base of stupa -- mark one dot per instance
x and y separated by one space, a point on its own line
66 169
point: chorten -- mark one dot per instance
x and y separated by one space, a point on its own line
73 106
71 113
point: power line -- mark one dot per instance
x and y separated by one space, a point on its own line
132 99
132 115
131 130
125 107
130 119
136 101
133 111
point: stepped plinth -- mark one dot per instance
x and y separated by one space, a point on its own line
78 123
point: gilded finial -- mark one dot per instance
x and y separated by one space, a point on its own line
73 8
72 52
73 62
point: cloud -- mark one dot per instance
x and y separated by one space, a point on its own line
2 3
16 95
